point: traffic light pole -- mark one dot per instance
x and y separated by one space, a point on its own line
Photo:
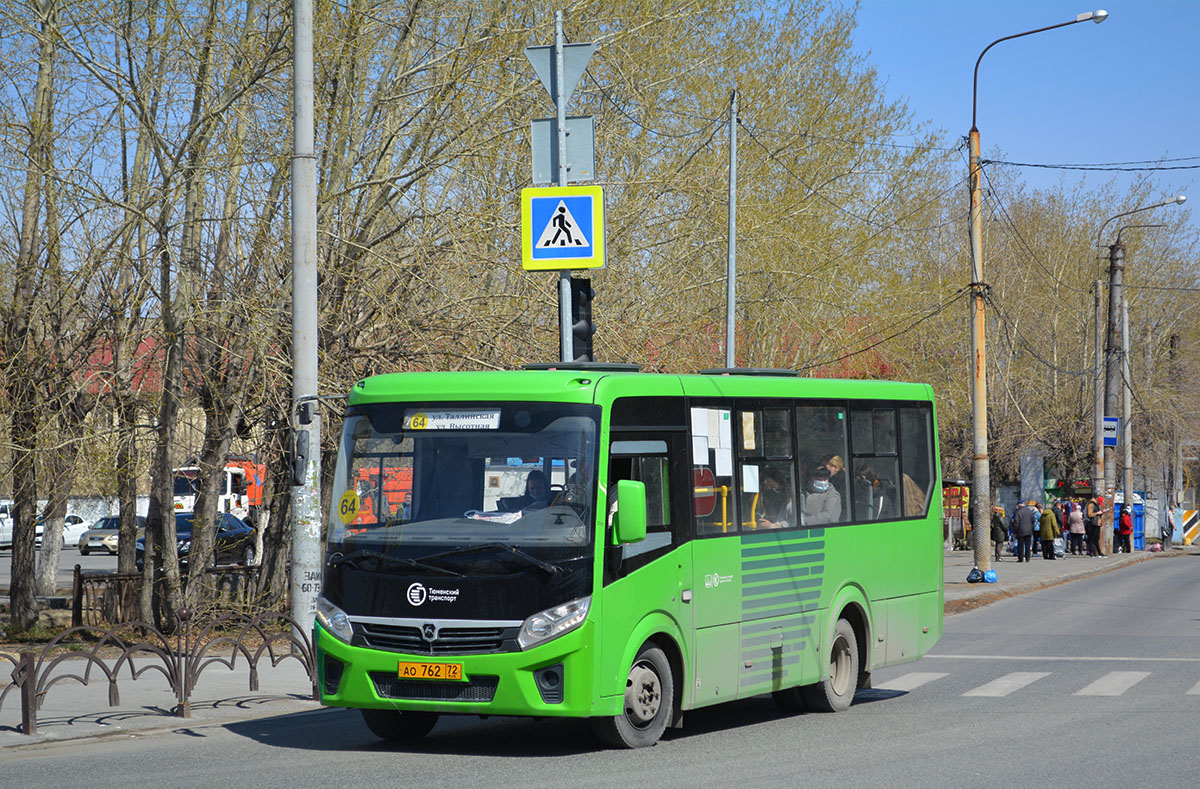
560 110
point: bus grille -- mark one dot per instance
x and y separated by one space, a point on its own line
450 640
478 689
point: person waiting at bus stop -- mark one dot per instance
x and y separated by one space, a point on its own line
1125 530
1023 522
999 530
1049 532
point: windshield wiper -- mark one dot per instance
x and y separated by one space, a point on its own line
500 546
385 560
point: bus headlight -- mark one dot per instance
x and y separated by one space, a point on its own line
553 622
334 620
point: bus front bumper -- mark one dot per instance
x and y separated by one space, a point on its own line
510 683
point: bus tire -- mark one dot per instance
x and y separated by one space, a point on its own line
649 703
836 692
399 726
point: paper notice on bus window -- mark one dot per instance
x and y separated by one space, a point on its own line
699 451
750 479
700 422
724 428
748 430
724 462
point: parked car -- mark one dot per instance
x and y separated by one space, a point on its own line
73 528
233 544
103 535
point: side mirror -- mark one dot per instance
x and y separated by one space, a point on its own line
629 522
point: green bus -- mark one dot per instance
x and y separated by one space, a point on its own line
594 542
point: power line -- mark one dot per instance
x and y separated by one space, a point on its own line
818 194
1000 203
1099 167
927 316
844 141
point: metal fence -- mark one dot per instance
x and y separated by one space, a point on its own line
133 649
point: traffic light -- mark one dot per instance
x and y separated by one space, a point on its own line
582 327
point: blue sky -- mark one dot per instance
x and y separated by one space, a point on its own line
1122 90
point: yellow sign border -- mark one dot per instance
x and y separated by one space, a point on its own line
528 239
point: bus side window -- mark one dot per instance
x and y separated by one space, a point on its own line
712 448
821 438
876 466
651 462
916 460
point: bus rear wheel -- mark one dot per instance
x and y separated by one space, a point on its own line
649 703
398 726
835 693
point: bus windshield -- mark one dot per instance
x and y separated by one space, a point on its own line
415 480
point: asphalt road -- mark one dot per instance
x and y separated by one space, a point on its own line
68 557
1092 683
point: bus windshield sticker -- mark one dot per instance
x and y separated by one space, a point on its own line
699 451
458 419
348 506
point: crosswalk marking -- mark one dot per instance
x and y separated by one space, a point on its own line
910 681
1007 684
1195 691
1114 683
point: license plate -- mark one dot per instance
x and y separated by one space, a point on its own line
444 671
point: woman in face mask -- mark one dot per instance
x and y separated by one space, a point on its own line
823 504
778 510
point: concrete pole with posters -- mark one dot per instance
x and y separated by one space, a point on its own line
305 576
1112 380
981 484
1098 395
1126 407
1105 471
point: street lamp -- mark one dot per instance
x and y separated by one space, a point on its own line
1105 400
981 487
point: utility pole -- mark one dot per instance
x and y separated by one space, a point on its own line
981 487
1127 406
1098 398
731 264
305 579
1116 279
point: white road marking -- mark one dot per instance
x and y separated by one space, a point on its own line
1114 683
910 681
1194 691
1067 659
1007 684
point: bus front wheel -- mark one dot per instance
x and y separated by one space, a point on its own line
834 693
394 725
648 704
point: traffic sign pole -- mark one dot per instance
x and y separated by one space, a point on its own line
560 112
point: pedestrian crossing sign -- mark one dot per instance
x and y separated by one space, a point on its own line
562 227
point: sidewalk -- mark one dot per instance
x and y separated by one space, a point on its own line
1018 578
72 711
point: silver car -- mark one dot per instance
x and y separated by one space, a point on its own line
102 537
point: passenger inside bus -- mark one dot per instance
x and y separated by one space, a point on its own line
823 503
779 511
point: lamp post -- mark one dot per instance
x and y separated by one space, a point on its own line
981 485
1106 399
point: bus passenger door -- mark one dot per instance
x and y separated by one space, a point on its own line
651 577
